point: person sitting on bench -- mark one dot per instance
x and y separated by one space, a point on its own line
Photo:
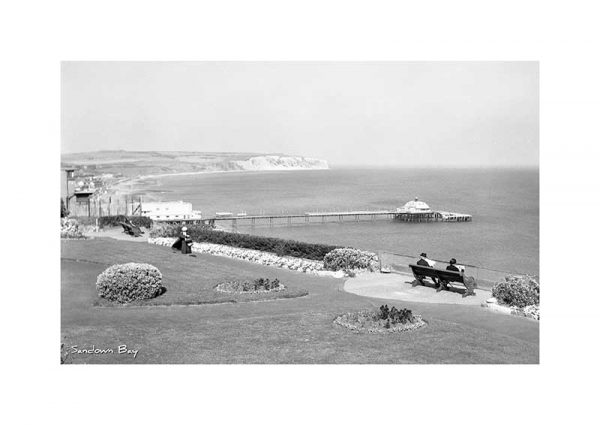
424 261
453 268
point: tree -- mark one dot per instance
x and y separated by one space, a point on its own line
64 212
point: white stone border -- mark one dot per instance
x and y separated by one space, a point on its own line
492 304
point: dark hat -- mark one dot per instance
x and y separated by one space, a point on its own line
453 261
423 254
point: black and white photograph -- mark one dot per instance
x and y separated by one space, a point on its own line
316 212
300 212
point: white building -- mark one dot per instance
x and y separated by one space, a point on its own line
175 210
415 206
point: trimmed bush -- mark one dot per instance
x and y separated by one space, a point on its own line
277 246
113 221
517 291
350 258
124 283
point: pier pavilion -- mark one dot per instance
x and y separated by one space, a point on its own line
418 211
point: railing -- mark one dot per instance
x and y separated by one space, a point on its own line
399 263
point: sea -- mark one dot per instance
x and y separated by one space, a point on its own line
504 203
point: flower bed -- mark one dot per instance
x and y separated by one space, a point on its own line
252 287
351 259
382 321
69 229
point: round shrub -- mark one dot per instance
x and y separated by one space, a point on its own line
124 283
350 258
517 291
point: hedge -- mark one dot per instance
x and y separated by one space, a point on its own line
281 247
172 230
113 220
124 283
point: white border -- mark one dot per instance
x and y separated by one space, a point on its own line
37 35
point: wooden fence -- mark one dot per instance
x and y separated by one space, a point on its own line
96 207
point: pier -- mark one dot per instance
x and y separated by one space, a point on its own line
413 212
308 217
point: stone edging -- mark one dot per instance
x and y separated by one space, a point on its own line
493 305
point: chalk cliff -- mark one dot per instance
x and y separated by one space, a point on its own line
274 162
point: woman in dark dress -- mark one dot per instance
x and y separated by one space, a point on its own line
183 242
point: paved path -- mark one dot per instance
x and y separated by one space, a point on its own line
117 233
396 286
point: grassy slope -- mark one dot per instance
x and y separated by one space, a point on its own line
298 330
132 163
188 281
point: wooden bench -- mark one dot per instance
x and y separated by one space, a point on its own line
442 278
130 229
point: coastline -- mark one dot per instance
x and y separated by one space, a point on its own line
118 188
509 251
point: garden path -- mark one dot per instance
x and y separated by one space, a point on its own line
398 286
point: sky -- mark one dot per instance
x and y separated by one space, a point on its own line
441 114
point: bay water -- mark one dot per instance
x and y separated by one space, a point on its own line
504 203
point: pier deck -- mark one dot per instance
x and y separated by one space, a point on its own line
328 217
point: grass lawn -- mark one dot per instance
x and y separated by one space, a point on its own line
188 281
293 330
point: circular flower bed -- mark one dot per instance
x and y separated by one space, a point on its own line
124 283
256 286
382 321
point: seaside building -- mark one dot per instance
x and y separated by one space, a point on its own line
419 211
169 211
414 207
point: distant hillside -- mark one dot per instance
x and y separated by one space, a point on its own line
134 164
